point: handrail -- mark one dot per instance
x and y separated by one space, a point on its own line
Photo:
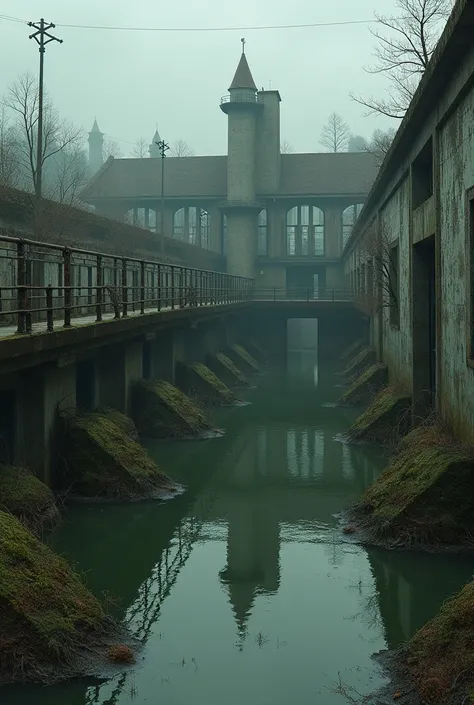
48 282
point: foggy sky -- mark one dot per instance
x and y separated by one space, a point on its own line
135 81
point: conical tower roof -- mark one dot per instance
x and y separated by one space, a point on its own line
95 127
156 137
243 76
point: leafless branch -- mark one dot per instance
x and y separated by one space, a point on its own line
405 45
335 134
180 148
140 150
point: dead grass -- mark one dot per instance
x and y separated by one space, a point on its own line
425 497
439 659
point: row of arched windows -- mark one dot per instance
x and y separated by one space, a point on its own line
305 227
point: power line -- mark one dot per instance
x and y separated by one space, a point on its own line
118 28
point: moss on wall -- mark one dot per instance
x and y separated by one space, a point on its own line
364 358
161 410
227 370
198 380
426 495
365 386
385 420
100 460
439 659
27 498
242 358
49 621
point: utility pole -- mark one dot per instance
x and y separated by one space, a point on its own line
42 37
163 147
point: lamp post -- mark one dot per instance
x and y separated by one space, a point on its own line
163 147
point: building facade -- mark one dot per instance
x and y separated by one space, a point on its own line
281 218
418 224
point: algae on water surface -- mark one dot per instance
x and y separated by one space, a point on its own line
47 615
100 460
426 495
27 498
161 410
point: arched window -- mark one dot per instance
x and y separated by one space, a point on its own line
191 224
349 217
305 231
262 232
178 224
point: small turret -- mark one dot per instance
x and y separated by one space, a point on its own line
153 149
96 144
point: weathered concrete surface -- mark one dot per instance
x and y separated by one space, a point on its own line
365 386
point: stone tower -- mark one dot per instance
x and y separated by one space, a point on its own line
242 107
96 143
153 148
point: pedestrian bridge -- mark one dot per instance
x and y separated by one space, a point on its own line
63 292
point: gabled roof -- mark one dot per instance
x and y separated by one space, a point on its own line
243 76
343 174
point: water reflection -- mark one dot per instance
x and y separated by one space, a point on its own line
251 558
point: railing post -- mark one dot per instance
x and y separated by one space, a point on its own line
21 287
142 286
67 286
158 306
49 308
172 286
99 288
124 288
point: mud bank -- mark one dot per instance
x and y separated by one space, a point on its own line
100 459
198 380
425 498
386 420
51 627
161 410
27 498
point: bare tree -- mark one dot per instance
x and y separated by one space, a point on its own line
286 147
111 148
180 148
58 134
380 266
406 44
140 150
9 166
68 177
380 143
335 134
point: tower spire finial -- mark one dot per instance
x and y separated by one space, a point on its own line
243 45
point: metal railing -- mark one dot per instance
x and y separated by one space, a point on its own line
303 294
243 96
49 284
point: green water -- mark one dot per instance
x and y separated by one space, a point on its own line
243 589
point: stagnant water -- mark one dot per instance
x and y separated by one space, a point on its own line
243 589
